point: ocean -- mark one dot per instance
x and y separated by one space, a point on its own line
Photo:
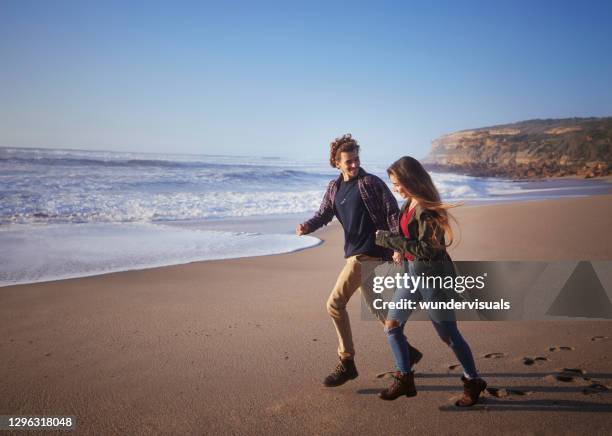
69 213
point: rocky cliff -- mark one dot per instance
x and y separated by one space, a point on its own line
528 149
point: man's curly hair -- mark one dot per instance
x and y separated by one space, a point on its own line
344 143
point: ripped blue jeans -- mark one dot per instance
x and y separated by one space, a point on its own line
443 321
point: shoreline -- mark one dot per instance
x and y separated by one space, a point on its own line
277 223
147 268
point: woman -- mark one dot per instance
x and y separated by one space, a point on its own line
425 230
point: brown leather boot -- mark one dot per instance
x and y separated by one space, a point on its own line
345 371
403 384
472 388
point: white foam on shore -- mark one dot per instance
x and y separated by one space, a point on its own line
64 186
32 253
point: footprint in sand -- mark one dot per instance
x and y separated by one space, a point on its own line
561 348
595 388
454 366
569 375
532 360
494 355
504 392
559 377
386 374
574 371
600 338
498 392
565 378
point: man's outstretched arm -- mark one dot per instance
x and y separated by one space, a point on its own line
322 217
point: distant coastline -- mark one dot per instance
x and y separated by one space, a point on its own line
528 150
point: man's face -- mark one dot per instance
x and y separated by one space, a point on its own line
348 164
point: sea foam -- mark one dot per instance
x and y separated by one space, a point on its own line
35 253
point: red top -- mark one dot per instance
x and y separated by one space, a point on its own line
404 220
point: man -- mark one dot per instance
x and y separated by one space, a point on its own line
363 204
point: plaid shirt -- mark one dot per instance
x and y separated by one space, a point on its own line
376 196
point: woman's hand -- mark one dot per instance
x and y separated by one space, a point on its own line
397 257
379 237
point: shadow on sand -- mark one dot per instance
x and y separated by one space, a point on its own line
514 396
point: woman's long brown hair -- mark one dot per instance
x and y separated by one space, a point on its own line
416 180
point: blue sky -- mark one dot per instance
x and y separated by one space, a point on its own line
284 78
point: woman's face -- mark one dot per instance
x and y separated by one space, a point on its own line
397 187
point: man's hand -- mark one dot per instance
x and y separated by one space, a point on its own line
301 229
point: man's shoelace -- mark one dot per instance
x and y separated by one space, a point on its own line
339 369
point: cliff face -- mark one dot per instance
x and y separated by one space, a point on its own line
528 149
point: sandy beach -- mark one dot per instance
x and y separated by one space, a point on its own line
241 346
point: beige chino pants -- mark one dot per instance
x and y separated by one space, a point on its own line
356 274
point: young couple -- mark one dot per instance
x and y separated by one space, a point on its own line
375 230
